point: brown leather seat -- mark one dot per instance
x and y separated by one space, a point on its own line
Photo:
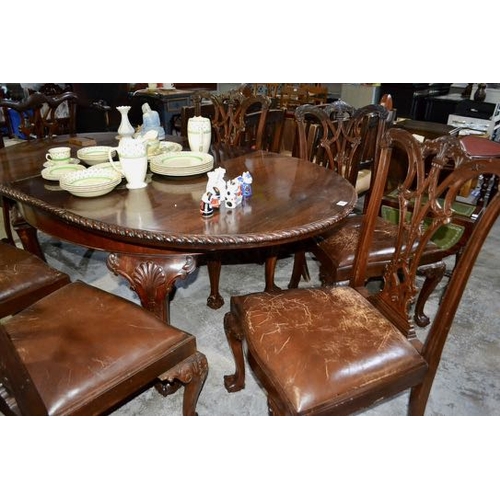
83 351
24 279
338 350
317 368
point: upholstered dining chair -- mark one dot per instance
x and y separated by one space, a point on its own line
24 279
344 140
339 350
83 351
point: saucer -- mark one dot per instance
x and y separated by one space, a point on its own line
50 163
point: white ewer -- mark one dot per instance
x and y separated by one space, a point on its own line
133 161
199 130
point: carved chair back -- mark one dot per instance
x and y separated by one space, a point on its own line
39 114
339 138
231 108
270 138
425 202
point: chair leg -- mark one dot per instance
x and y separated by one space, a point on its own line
269 273
191 372
214 300
235 382
6 221
433 274
300 270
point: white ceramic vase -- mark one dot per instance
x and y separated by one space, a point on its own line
125 129
199 132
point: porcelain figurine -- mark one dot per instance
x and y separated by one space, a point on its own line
206 208
151 121
233 194
246 184
216 185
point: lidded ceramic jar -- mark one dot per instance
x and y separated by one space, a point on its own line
199 130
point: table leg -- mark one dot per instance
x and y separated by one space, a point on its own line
27 234
153 277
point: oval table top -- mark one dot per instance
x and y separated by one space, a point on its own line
292 200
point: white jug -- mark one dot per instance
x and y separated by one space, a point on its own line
133 161
199 130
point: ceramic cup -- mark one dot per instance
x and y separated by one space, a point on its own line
199 134
133 164
61 154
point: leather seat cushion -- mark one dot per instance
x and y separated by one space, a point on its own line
324 347
85 339
24 278
342 243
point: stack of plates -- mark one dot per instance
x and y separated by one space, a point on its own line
182 163
165 147
90 182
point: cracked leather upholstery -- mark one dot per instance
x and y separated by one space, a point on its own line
309 347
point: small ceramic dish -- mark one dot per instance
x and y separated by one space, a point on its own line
92 155
50 163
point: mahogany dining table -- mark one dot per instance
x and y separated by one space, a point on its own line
156 235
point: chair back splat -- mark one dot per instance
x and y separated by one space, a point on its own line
340 349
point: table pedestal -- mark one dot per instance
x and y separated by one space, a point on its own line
153 277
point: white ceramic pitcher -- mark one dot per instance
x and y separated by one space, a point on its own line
133 161
199 130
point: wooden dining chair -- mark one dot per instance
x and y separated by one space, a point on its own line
24 279
342 139
339 350
83 351
40 116
268 138
230 111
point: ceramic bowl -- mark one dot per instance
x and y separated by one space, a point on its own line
92 155
91 182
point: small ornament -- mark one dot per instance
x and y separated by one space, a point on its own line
206 208
233 194
246 179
